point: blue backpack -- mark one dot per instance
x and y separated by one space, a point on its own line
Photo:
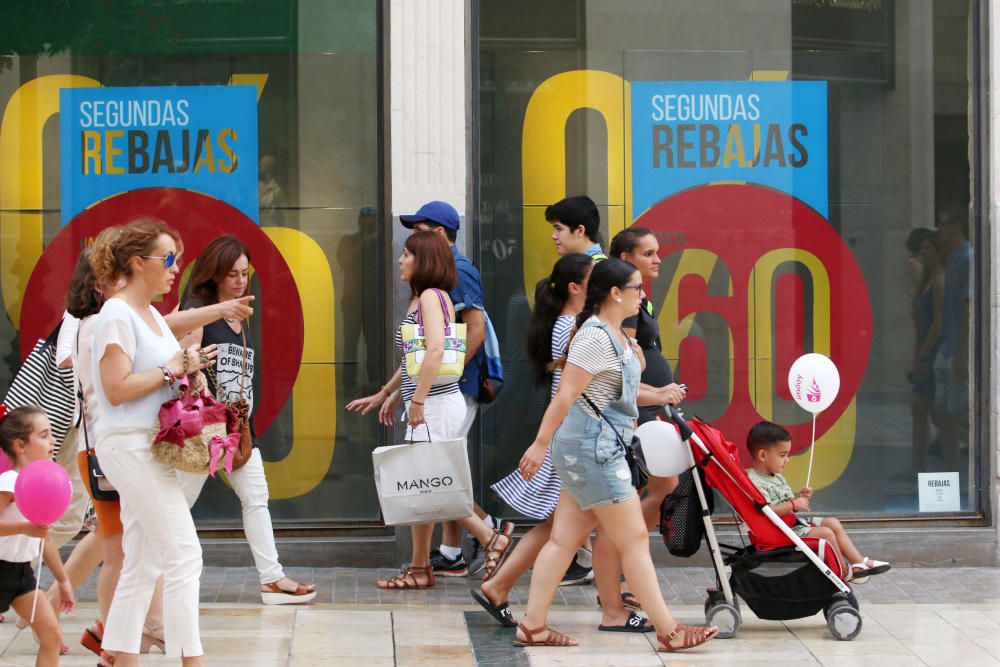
491 369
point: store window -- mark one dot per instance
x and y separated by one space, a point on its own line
806 166
311 69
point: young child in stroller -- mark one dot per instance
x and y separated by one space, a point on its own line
770 446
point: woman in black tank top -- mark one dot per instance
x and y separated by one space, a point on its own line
221 272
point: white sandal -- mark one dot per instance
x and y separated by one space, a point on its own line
871 567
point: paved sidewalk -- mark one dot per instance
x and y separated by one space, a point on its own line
680 585
911 617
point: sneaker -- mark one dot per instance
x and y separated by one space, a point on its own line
477 563
448 567
577 575
503 526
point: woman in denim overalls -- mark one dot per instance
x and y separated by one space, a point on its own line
597 489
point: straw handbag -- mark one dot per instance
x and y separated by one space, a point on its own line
190 429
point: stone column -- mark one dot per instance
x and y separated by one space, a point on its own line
429 122
991 15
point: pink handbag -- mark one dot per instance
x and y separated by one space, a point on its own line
191 434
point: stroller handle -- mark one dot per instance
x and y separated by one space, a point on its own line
675 417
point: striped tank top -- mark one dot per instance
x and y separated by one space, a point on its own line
409 385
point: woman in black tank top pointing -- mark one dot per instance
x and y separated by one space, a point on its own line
221 272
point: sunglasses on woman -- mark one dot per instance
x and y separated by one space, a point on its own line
170 260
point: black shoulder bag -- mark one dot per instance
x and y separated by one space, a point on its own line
100 487
633 451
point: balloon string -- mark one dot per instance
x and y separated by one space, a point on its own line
812 452
38 580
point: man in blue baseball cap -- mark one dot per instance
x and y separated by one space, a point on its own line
442 218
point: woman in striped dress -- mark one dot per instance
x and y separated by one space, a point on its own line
433 412
559 298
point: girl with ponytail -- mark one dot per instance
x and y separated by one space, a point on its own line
558 299
559 295
597 399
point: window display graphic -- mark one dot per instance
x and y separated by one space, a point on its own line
770 133
200 138
732 177
188 155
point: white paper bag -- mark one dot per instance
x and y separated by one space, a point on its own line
424 482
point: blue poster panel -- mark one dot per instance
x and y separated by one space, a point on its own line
689 133
198 138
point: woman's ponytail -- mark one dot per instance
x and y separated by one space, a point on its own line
551 294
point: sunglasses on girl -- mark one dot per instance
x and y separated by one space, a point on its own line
170 260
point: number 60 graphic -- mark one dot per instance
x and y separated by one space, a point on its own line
759 279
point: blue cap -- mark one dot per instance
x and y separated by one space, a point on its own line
438 212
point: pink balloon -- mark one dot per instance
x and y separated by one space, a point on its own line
5 463
42 492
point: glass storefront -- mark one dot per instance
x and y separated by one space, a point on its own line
784 152
315 65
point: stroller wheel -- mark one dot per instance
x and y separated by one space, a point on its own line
726 616
839 599
843 620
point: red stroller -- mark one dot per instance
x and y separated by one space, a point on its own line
780 576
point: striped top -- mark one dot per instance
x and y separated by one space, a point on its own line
409 385
593 351
560 335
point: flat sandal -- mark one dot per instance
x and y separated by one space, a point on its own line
552 637
494 556
407 580
692 636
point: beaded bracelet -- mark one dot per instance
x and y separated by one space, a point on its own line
168 376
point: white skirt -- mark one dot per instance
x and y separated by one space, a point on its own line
444 416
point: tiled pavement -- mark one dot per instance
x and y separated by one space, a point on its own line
911 616
680 585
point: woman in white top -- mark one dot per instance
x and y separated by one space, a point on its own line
135 361
84 300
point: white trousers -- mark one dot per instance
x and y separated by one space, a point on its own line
250 485
69 525
159 538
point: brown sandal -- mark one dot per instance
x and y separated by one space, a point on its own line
552 638
407 580
494 556
692 636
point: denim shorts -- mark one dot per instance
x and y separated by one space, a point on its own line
591 464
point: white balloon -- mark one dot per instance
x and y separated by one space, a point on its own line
665 453
814 382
